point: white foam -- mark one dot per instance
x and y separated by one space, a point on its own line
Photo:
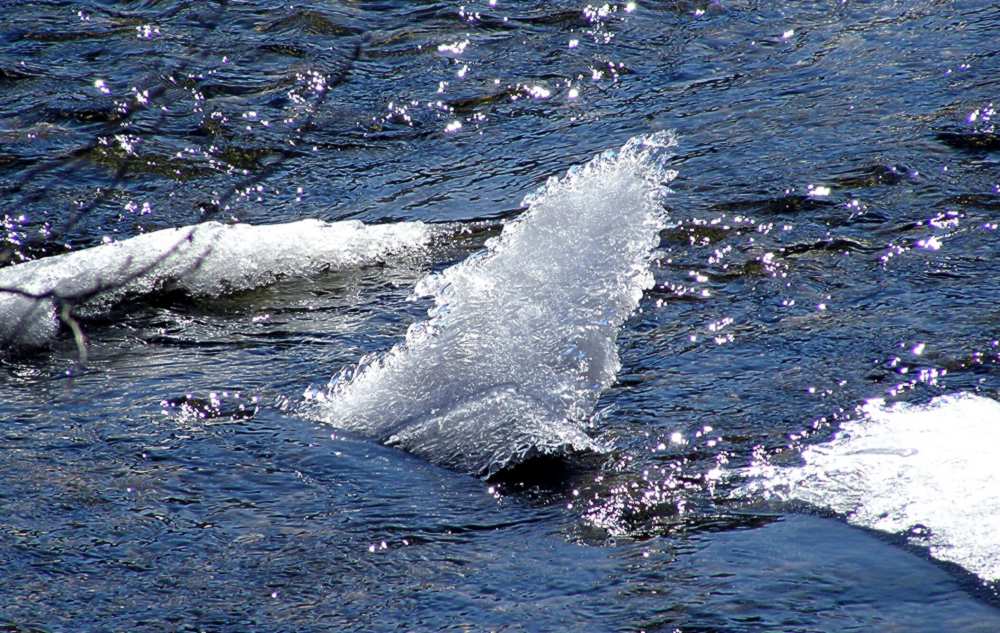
205 260
929 472
521 340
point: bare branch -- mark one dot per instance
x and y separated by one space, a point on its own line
63 304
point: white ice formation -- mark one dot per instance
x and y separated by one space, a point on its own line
521 340
930 473
204 260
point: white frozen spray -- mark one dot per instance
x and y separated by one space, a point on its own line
521 340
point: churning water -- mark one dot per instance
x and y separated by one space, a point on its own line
373 316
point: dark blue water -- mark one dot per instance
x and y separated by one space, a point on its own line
836 209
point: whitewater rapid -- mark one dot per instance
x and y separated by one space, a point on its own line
521 339
929 473
205 259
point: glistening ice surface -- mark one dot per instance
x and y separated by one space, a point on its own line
927 472
522 338
208 259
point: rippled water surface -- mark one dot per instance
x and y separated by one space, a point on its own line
831 237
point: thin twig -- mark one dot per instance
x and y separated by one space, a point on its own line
67 302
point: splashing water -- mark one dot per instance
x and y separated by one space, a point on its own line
521 340
927 472
203 260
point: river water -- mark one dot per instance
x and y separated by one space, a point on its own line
762 400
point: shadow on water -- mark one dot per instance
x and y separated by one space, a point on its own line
548 478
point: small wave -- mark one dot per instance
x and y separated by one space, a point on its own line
206 259
521 340
929 473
